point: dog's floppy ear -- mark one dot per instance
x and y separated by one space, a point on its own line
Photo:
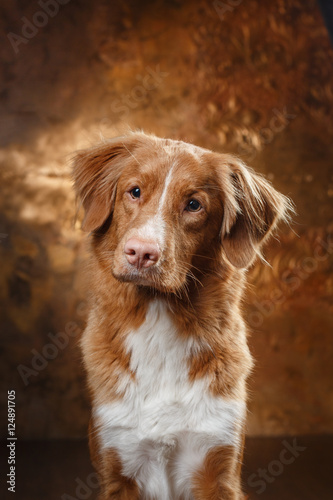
252 208
96 172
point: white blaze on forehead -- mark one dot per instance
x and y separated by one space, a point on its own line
165 189
172 150
154 229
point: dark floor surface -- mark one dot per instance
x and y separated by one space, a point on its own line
60 470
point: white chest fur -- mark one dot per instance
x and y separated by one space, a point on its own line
164 424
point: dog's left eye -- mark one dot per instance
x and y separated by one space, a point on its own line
193 206
135 192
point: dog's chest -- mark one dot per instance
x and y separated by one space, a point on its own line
163 424
159 358
160 401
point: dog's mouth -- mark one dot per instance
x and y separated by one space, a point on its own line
148 277
154 278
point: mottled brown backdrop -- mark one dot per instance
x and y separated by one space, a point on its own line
251 77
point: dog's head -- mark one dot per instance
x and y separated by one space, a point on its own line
162 211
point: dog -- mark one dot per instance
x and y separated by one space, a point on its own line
174 228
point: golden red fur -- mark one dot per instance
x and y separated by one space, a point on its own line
175 225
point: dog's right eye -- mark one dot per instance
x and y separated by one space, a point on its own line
135 192
193 206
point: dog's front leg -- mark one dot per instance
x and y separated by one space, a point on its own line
114 485
219 476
